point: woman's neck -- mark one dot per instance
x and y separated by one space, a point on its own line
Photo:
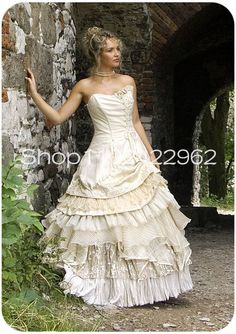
104 69
102 73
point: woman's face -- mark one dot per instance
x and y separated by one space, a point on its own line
111 53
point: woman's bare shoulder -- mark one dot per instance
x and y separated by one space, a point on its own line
126 79
82 85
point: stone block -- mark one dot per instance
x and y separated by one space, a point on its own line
147 99
7 150
48 24
35 12
41 61
10 117
20 14
7 42
138 56
42 201
146 119
20 40
13 72
5 24
147 80
147 126
147 74
4 95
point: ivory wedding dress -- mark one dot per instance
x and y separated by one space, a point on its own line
119 230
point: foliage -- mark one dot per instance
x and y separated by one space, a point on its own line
31 298
21 231
18 220
229 157
228 201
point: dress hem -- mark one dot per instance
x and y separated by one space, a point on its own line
127 292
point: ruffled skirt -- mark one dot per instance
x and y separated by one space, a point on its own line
125 250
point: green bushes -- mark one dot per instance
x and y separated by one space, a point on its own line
31 298
20 228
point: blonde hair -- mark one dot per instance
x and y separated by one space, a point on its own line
93 43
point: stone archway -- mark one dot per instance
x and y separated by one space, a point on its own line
195 65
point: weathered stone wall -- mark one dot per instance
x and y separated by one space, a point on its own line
40 36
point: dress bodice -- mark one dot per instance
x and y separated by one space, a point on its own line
116 160
112 114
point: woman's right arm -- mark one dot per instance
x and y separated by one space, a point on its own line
53 116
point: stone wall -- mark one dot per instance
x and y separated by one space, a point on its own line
40 36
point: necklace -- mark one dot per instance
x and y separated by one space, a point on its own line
104 74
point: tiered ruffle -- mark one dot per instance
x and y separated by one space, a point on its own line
125 250
132 200
127 292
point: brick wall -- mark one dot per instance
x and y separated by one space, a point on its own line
131 22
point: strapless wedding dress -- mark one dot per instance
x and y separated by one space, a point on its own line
118 231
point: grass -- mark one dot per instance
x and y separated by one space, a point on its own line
225 204
54 312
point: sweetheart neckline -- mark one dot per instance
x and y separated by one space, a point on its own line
114 94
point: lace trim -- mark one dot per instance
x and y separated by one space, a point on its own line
111 260
71 204
126 97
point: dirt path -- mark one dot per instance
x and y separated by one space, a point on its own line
208 307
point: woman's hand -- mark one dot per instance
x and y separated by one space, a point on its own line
32 87
32 90
153 160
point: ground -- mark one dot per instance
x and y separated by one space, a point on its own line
208 307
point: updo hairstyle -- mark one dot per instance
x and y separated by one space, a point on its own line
93 42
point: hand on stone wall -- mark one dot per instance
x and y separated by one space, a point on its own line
32 87
49 113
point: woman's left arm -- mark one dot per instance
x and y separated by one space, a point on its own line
140 129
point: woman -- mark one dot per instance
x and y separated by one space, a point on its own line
119 230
